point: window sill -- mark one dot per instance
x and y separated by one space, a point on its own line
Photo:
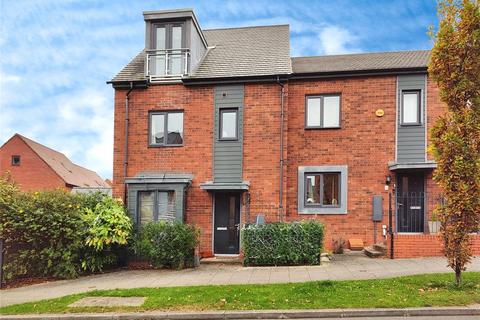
228 139
411 124
322 128
165 146
322 211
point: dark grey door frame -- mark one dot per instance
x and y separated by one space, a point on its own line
228 232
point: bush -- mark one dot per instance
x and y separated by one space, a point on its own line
276 244
108 228
46 233
167 244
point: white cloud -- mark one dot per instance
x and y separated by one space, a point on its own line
337 40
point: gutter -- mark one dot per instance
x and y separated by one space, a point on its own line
282 160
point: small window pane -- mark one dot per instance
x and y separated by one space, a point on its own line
15 160
160 37
146 208
228 124
331 111
175 128
166 201
177 37
313 189
313 112
157 130
410 107
331 189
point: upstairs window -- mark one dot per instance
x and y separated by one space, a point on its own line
228 124
166 128
411 111
322 111
15 160
168 49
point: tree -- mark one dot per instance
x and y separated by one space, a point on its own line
455 137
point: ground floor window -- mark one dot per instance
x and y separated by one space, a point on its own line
322 189
154 205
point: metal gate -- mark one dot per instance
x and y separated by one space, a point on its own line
410 212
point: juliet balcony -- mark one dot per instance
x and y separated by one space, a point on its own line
166 64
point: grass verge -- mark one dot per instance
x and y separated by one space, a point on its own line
413 291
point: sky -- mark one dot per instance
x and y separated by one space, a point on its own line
56 55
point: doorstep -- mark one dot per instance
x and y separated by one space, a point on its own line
222 259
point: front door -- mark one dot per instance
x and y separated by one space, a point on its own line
227 223
410 202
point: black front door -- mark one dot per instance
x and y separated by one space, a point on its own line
227 223
410 202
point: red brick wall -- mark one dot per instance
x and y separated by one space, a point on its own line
261 148
194 157
421 245
366 143
33 173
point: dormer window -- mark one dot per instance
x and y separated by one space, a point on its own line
174 44
168 56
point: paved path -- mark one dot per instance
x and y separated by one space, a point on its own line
342 267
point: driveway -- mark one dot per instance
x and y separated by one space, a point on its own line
342 267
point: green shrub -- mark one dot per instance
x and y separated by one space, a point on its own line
167 244
46 233
276 244
109 227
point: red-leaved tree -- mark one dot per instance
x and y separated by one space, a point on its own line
455 66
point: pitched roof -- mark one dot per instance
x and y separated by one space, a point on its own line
361 62
70 172
133 71
233 52
249 51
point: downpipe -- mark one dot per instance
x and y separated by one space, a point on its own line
282 160
127 122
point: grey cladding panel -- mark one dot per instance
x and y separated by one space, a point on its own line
228 155
411 139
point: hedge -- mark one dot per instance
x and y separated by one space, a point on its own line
294 243
166 244
59 234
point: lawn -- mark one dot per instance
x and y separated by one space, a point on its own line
412 291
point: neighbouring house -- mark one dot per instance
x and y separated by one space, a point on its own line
222 127
34 166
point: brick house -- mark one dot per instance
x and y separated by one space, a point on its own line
34 166
220 127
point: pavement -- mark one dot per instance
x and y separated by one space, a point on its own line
342 267
464 313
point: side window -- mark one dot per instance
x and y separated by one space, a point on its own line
411 107
15 160
228 125
166 128
322 111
